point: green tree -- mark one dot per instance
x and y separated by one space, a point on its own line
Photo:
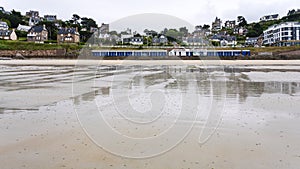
15 18
184 31
174 35
255 29
85 36
242 21
21 34
206 27
75 18
291 12
88 23
164 31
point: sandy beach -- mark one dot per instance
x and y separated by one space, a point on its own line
149 114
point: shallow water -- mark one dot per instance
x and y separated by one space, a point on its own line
149 116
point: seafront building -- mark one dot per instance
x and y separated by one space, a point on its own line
270 17
68 35
8 35
230 24
136 41
162 40
5 33
37 34
284 34
216 25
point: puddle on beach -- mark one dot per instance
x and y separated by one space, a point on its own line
149 117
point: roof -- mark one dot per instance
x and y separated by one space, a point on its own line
270 16
67 31
230 21
252 38
3 25
163 37
136 38
37 29
23 28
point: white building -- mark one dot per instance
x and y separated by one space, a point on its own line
284 34
136 41
270 17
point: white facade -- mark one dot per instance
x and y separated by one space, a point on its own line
270 17
282 34
136 41
13 35
228 43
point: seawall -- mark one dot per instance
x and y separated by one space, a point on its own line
26 54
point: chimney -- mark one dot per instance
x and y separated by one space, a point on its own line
44 27
76 29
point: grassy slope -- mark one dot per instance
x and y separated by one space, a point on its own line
21 45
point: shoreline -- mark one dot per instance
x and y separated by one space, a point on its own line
73 62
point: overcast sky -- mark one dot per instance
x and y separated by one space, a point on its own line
192 11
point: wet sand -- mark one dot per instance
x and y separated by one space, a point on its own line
259 115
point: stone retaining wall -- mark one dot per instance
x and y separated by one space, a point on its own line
32 53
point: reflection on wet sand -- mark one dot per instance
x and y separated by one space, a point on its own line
39 128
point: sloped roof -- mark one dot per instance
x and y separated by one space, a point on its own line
37 29
67 31
251 38
23 28
3 25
